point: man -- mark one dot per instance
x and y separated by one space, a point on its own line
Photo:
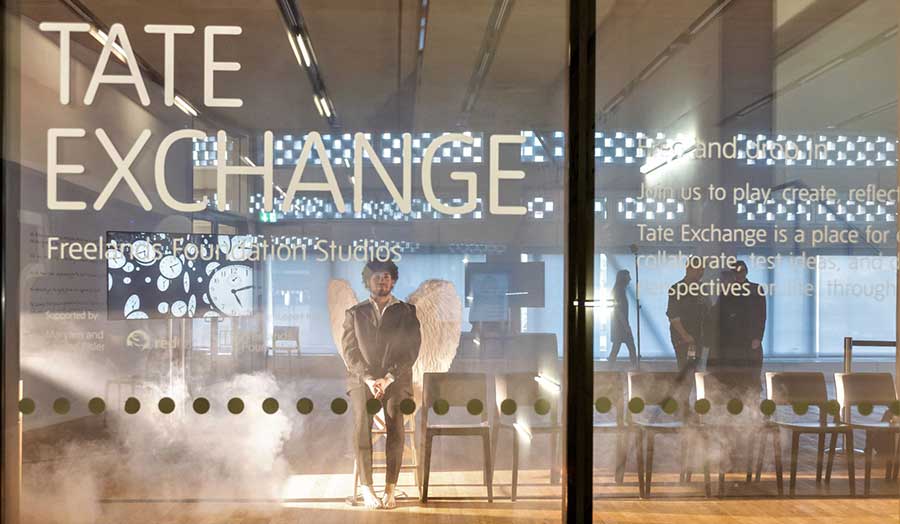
380 344
687 310
742 323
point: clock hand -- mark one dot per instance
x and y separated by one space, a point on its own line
236 297
241 289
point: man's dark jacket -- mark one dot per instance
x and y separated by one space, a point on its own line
372 350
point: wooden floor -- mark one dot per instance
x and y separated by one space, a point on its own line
812 511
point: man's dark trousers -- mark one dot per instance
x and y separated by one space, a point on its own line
359 396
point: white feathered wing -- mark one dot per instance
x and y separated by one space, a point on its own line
439 310
340 298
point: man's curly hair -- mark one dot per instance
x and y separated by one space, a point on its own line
378 266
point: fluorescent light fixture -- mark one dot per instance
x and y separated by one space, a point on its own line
511 293
318 105
548 383
293 43
756 105
612 105
708 18
654 66
102 37
247 161
325 107
303 50
184 105
821 70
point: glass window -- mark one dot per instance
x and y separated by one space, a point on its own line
247 172
746 197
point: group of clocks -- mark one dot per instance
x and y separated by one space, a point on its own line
165 275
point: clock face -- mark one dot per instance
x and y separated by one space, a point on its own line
242 248
115 259
179 308
170 266
152 280
231 290
142 251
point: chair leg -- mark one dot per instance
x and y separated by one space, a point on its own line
355 482
779 470
867 482
488 466
688 458
832 451
820 454
897 456
750 449
426 466
495 438
889 464
621 458
795 450
682 475
651 436
721 492
554 464
707 484
515 466
639 451
851 466
759 457
891 460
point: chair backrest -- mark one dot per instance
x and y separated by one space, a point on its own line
525 390
611 385
788 387
286 337
720 386
855 388
456 388
654 388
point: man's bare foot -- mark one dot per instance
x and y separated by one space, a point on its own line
388 499
369 499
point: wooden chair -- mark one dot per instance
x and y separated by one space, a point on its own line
525 422
720 387
457 389
611 385
875 389
410 453
285 341
801 387
656 388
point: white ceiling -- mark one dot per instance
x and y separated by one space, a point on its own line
367 53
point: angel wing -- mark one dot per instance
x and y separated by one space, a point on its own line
439 310
340 298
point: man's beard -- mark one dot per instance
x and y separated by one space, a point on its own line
380 291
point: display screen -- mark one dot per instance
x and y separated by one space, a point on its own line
521 284
178 275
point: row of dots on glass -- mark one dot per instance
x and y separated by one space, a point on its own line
235 405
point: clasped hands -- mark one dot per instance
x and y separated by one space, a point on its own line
378 386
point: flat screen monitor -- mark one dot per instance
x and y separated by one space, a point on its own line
178 275
492 287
